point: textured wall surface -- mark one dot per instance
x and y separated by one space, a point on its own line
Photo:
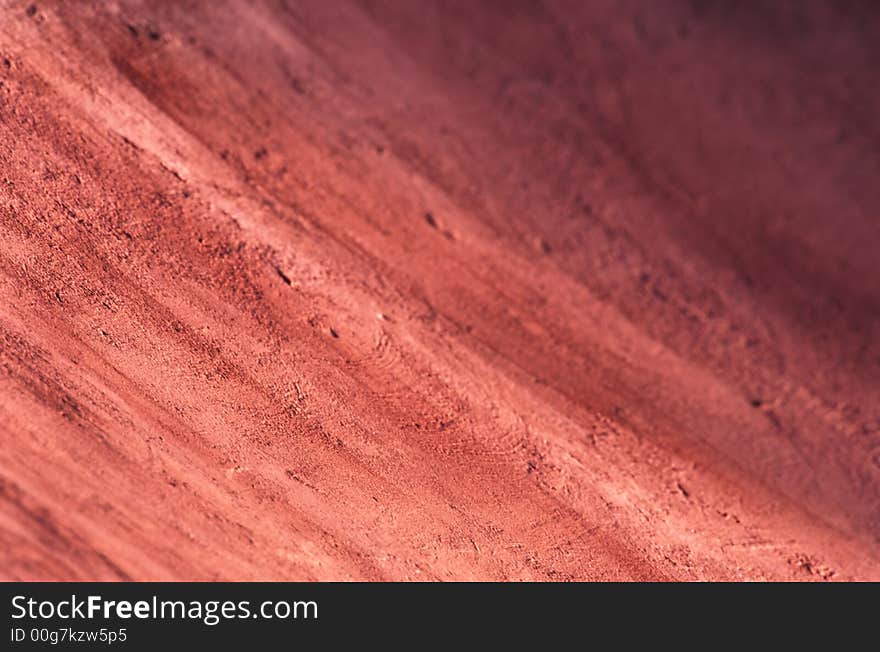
439 290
